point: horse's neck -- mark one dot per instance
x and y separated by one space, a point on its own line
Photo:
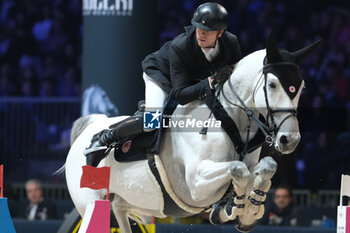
246 76
244 80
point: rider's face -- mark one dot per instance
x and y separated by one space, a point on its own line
207 39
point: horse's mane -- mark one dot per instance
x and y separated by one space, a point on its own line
78 127
255 57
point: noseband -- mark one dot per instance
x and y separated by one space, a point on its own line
268 127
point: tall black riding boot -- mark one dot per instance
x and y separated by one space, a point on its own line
126 129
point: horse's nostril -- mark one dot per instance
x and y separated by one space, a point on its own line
284 139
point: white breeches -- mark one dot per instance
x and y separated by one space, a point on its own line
154 94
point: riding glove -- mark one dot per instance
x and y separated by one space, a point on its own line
222 74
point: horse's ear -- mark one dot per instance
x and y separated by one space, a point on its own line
272 51
301 54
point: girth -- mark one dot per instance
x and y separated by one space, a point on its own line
170 206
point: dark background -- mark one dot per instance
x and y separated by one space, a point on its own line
41 59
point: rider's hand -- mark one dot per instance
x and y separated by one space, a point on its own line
223 73
211 82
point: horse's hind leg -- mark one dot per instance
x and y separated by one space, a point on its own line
120 209
123 221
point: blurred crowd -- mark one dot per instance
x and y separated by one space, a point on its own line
324 152
40 55
40 47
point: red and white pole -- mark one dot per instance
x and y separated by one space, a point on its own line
1 181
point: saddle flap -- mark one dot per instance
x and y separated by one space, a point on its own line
140 147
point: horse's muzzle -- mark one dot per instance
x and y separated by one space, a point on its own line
287 142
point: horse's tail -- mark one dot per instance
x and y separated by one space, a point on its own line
78 127
60 171
80 124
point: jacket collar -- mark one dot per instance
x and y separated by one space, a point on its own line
191 32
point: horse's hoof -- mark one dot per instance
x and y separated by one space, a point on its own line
241 227
214 216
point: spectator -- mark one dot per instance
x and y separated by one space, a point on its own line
28 88
38 39
282 211
5 86
316 177
69 85
47 87
38 208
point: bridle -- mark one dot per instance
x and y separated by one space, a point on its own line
268 126
270 111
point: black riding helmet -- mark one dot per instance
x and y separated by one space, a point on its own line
210 16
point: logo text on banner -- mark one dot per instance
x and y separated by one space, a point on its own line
108 7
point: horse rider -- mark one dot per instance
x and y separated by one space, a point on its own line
189 65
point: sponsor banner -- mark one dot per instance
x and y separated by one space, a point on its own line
108 7
117 36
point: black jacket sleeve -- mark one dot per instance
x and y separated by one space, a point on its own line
237 52
51 210
22 212
184 92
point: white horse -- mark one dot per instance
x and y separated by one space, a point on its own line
197 170
95 100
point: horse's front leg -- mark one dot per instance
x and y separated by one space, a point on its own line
254 208
208 179
212 179
264 171
235 200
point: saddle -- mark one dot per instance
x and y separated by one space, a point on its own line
146 143
141 147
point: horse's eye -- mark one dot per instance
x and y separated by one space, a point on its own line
272 85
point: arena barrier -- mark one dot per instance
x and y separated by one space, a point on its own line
50 191
52 226
38 130
47 226
301 197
